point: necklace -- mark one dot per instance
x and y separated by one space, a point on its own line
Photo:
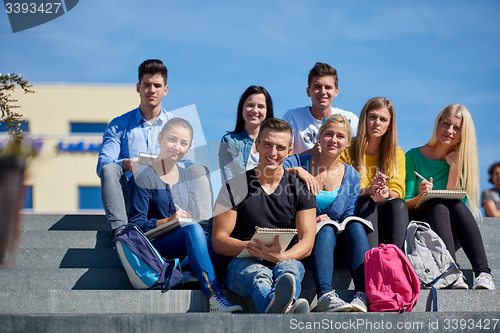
325 185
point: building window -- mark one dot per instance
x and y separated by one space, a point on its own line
28 197
88 127
22 126
89 197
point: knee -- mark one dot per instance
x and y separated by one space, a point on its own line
294 267
326 235
194 230
398 204
355 229
111 171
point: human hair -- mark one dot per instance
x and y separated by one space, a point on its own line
152 67
336 119
468 162
322 69
388 145
240 121
177 122
491 170
276 125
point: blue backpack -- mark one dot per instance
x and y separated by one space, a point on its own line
145 267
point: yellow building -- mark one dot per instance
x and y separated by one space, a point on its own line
68 121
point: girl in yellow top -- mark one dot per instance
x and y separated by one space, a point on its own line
381 164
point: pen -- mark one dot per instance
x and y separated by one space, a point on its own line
378 172
177 206
419 176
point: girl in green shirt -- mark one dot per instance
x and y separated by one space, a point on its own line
449 161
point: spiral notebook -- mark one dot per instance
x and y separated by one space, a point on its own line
266 236
443 194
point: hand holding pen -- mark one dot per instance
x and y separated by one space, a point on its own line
379 184
425 185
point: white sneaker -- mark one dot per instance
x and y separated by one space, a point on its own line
460 283
331 302
484 281
218 303
359 303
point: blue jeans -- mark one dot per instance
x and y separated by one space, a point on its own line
322 256
255 278
190 240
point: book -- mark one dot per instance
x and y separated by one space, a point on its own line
341 226
145 158
266 236
156 232
443 194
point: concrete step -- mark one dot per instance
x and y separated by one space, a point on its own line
33 279
66 258
65 264
33 239
245 323
185 301
95 222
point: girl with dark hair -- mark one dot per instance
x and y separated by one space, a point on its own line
160 192
237 151
490 199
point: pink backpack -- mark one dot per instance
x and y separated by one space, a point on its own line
390 282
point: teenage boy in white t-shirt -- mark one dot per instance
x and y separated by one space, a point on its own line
305 121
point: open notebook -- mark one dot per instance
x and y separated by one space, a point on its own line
341 226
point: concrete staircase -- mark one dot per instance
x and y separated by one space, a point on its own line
65 276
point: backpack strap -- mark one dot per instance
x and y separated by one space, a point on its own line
433 289
230 194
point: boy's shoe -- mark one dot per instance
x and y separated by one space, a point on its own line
460 283
484 281
299 306
331 302
218 303
359 303
284 292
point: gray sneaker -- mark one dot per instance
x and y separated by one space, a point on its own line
360 302
484 281
284 292
331 302
299 306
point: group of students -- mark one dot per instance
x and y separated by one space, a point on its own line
319 163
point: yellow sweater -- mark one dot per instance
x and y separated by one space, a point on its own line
396 183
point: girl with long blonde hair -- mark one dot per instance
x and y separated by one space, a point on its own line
449 161
381 164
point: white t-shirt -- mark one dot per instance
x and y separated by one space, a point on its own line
305 127
253 160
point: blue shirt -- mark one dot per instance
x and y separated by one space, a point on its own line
151 199
130 134
234 152
325 198
345 203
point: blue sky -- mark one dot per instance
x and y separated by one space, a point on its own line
423 55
